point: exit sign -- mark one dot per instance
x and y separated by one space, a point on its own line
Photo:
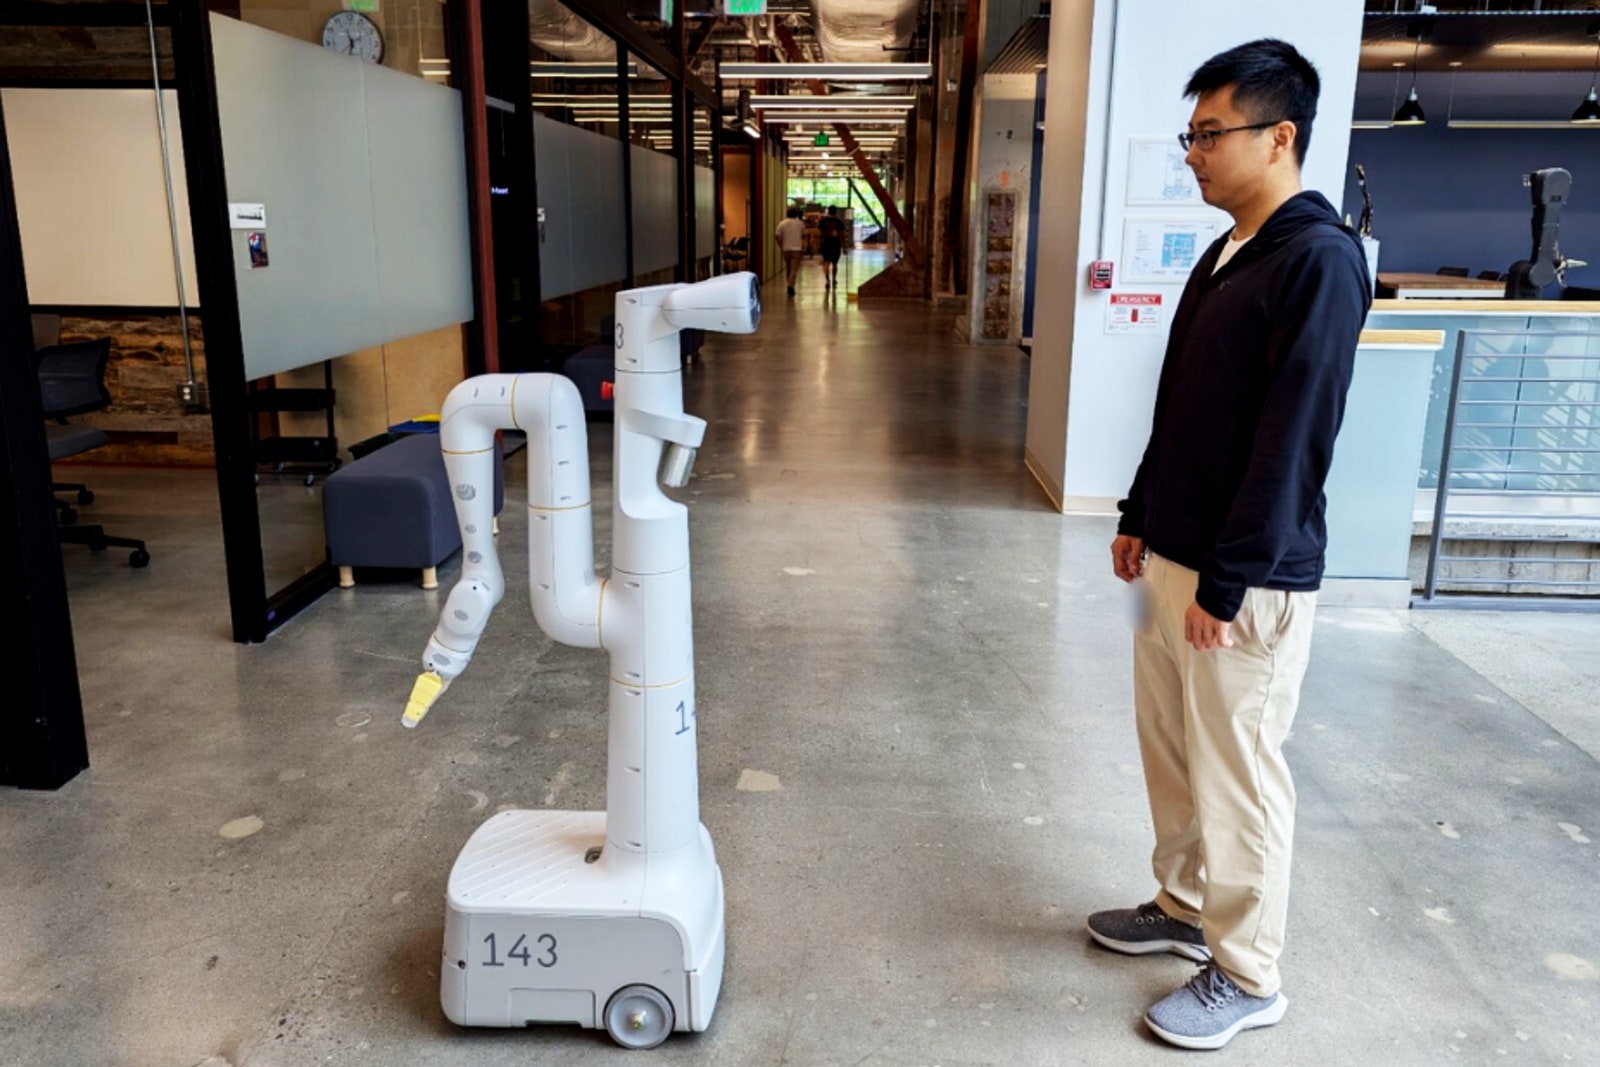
744 7
369 7
820 141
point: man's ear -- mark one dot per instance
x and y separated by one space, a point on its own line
1284 135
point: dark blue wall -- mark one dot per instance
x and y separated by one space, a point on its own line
1455 197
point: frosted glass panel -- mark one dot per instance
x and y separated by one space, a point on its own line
419 201
580 189
705 213
655 211
362 175
91 197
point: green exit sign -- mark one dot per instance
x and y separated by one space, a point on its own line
744 7
820 141
368 7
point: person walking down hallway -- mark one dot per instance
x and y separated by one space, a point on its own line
832 228
791 235
1223 530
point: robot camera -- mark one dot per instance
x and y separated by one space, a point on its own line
729 304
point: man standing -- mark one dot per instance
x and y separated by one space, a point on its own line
1224 524
791 235
832 230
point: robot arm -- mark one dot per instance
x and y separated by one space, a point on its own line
1364 227
565 592
1529 277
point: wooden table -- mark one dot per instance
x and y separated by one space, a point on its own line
1407 286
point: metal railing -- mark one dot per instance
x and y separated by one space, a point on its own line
1519 471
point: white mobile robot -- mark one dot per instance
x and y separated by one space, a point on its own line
610 918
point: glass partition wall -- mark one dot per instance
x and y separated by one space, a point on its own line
579 154
351 300
341 254
654 198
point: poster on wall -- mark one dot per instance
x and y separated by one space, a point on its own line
1134 313
1165 249
257 242
1157 173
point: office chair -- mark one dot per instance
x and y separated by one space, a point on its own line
1455 272
72 382
735 254
47 334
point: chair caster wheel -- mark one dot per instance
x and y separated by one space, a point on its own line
138 558
68 516
86 496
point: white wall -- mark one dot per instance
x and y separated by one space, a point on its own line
92 198
1110 381
1074 103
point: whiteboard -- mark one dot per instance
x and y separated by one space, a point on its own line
92 199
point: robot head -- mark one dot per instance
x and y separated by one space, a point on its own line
729 304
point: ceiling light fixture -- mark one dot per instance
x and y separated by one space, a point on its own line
1589 111
747 121
833 101
870 118
1410 112
833 72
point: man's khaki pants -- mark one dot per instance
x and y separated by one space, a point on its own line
1211 730
791 265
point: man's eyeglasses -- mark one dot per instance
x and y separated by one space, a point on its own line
1206 140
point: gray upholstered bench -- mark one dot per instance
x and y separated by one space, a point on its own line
393 508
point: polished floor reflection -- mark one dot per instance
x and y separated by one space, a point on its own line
917 762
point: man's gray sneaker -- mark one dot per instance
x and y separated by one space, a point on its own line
1210 1009
1147 929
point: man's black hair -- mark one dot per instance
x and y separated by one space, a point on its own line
1272 82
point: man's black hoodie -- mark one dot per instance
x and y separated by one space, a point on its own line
1251 396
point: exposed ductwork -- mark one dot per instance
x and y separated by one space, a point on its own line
556 30
859 31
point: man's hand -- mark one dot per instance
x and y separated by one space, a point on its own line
1127 557
1205 632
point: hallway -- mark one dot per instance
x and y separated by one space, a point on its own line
917 763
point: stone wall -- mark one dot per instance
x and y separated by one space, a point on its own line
146 422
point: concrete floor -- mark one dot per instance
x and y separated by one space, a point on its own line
929 669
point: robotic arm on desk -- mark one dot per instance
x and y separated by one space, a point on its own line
1528 278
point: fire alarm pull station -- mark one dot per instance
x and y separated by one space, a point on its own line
1100 274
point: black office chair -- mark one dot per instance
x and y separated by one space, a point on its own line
736 253
72 382
1455 272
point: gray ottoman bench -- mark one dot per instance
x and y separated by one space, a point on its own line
393 508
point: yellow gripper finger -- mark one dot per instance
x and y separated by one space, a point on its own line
426 690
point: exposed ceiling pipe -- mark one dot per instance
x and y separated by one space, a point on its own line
858 31
556 30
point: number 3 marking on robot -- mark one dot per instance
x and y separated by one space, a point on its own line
684 715
620 335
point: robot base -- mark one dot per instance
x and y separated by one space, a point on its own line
545 923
